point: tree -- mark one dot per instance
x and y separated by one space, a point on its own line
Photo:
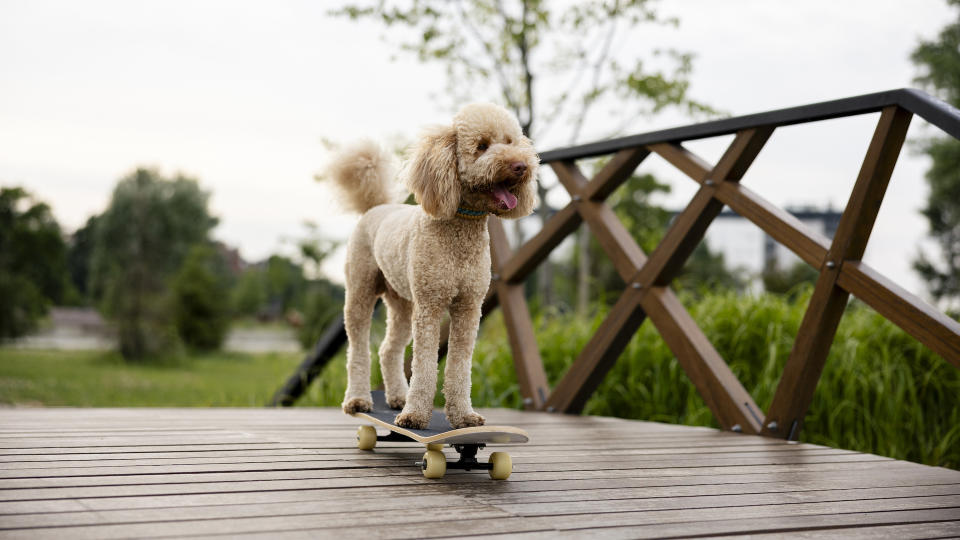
552 68
140 241
201 301
33 267
79 256
939 60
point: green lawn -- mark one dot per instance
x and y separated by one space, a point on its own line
102 379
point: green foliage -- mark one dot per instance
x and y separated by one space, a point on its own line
940 62
201 302
323 303
880 392
33 264
140 242
790 280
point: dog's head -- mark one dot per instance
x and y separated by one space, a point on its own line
482 162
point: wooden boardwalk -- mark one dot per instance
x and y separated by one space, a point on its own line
292 473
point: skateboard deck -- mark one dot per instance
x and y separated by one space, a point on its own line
440 431
466 441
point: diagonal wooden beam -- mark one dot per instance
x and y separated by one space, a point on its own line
781 225
918 318
523 342
617 171
689 227
528 256
599 355
730 402
614 238
812 344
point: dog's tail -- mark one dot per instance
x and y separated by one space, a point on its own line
363 175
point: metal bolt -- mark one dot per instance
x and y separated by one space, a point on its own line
528 401
495 277
636 285
831 264
709 182
736 428
551 409
772 426
577 198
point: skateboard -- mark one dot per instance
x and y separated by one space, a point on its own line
466 441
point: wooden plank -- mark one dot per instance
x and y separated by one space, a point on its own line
531 376
819 325
941 522
918 318
893 477
578 476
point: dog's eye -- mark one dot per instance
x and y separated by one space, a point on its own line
482 147
509 140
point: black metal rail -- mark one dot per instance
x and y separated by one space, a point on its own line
919 103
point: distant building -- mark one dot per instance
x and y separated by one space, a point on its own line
748 248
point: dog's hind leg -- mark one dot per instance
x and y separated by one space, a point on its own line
423 383
464 320
399 313
361 297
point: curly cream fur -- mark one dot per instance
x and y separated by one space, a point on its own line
425 261
363 176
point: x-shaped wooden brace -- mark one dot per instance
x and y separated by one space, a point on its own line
647 294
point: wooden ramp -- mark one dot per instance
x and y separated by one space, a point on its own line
292 473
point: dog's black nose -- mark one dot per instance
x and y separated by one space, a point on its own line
518 168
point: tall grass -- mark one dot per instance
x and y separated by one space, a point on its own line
880 392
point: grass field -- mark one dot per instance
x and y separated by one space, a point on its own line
102 379
880 392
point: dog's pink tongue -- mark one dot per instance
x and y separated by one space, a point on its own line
504 196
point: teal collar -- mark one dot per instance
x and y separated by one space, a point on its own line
467 213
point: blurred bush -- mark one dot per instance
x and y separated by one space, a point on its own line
33 263
201 299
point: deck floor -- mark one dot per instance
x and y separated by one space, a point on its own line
292 473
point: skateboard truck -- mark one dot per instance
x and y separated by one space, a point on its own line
468 459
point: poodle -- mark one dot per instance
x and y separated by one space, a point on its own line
429 259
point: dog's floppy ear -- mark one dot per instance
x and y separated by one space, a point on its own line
432 174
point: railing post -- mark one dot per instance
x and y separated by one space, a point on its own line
531 377
819 326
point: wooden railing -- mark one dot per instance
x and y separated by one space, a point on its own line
648 294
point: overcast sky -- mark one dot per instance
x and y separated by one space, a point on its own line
241 94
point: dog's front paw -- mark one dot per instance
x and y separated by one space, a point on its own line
397 402
467 420
355 405
413 420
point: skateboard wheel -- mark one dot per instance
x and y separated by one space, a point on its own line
434 464
435 446
502 465
366 437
